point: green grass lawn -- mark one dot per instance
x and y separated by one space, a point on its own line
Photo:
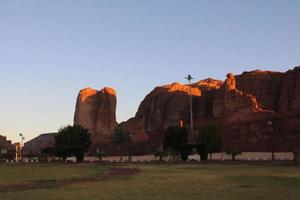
154 182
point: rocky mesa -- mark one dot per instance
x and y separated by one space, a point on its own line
96 111
241 106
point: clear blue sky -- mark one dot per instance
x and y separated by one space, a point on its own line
49 50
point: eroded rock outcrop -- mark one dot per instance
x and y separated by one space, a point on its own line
165 106
96 111
229 84
264 85
208 84
241 106
169 104
290 91
232 104
35 146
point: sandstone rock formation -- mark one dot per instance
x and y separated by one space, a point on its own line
208 84
290 91
241 106
264 85
35 146
165 106
231 103
276 99
169 104
229 82
96 111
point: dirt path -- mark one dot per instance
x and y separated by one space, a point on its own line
52 183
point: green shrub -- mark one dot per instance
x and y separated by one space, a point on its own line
160 154
72 140
209 135
100 154
123 139
174 137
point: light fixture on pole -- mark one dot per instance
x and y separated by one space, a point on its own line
190 78
21 145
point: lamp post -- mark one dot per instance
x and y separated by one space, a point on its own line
270 124
21 145
189 78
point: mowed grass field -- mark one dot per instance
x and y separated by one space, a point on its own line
211 181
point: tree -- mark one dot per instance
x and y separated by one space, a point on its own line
185 150
160 154
210 136
123 139
171 153
10 155
72 140
1 152
48 152
174 138
233 152
100 154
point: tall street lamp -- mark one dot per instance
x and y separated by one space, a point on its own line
270 124
189 78
21 145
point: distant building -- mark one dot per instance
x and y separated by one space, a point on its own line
37 144
5 145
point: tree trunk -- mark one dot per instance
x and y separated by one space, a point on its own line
79 156
233 157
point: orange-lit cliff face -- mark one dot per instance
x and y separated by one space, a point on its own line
166 105
96 111
84 94
241 106
208 84
169 104
177 87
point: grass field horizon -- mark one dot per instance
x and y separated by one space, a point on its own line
145 181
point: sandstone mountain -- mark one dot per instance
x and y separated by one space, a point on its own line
290 91
241 106
96 111
35 146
